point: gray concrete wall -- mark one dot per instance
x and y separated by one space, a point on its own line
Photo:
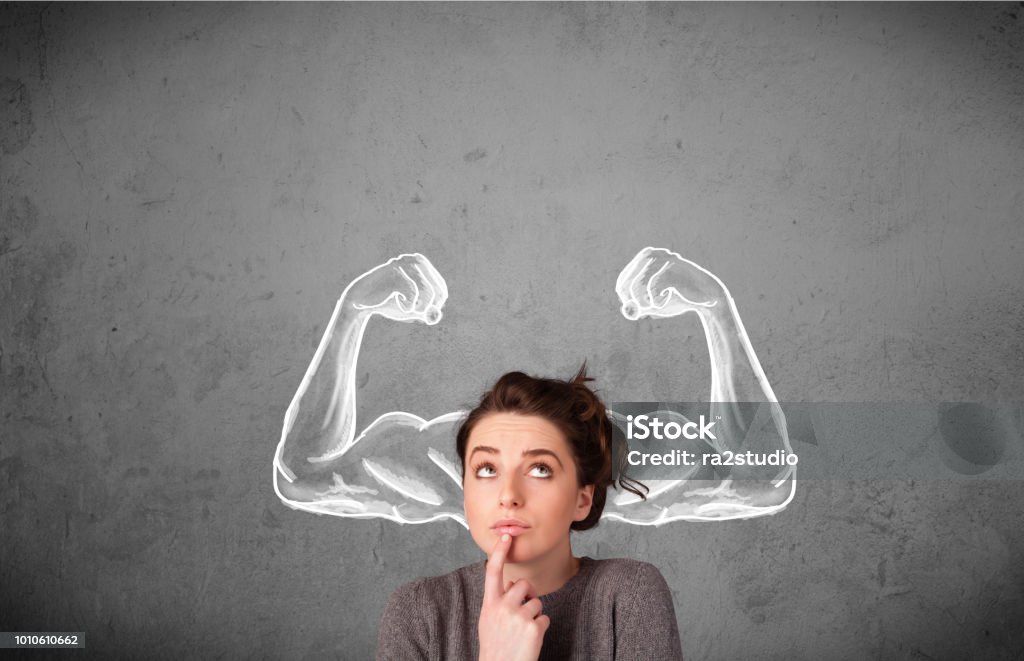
187 189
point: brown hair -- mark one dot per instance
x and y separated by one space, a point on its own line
580 415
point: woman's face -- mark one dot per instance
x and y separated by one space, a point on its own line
520 479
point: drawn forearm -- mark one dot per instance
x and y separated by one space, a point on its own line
737 377
320 423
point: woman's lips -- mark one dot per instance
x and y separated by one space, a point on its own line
513 528
515 531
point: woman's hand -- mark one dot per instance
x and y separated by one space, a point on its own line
509 628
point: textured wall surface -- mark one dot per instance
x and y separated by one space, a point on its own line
187 189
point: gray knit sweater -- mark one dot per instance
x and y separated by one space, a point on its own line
611 609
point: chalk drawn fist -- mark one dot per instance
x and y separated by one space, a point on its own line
661 283
405 288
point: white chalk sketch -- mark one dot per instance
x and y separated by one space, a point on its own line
404 468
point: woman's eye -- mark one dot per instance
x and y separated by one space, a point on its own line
540 470
485 471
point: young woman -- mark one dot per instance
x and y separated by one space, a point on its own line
537 462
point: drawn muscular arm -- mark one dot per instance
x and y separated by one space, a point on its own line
659 283
391 468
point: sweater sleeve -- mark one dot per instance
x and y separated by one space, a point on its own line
646 628
404 632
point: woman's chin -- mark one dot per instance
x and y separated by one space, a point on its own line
518 557
519 552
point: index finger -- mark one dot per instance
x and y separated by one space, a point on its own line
495 565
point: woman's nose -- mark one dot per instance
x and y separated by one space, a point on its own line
511 495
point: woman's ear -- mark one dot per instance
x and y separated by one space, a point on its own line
584 500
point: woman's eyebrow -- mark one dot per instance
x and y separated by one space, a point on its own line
542 451
484 448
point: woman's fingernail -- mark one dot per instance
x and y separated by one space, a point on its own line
505 537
